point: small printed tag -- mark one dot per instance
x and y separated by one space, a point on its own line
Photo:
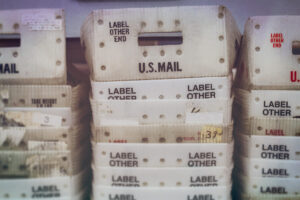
47 145
42 22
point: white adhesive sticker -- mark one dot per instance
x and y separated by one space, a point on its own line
188 88
42 22
35 188
270 126
269 103
209 193
255 167
269 147
161 112
157 177
162 155
47 120
34 117
283 187
147 49
204 133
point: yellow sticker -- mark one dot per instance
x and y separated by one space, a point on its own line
211 134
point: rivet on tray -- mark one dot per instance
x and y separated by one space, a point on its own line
162 52
16 26
22 101
257 26
103 67
58 40
221 37
177 22
106 133
162 140
162 160
178 184
100 21
143 24
179 139
145 116
101 44
162 184
220 15
179 116
161 116
145 54
144 140
15 54
221 60
256 98
160 23
178 52
257 49
145 160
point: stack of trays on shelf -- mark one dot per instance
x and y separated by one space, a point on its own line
44 138
267 109
161 102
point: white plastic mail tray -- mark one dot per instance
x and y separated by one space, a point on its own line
162 155
157 177
270 53
267 103
280 148
187 88
58 187
176 133
142 112
22 138
160 42
32 46
161 193
285 188
255 167
270 126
